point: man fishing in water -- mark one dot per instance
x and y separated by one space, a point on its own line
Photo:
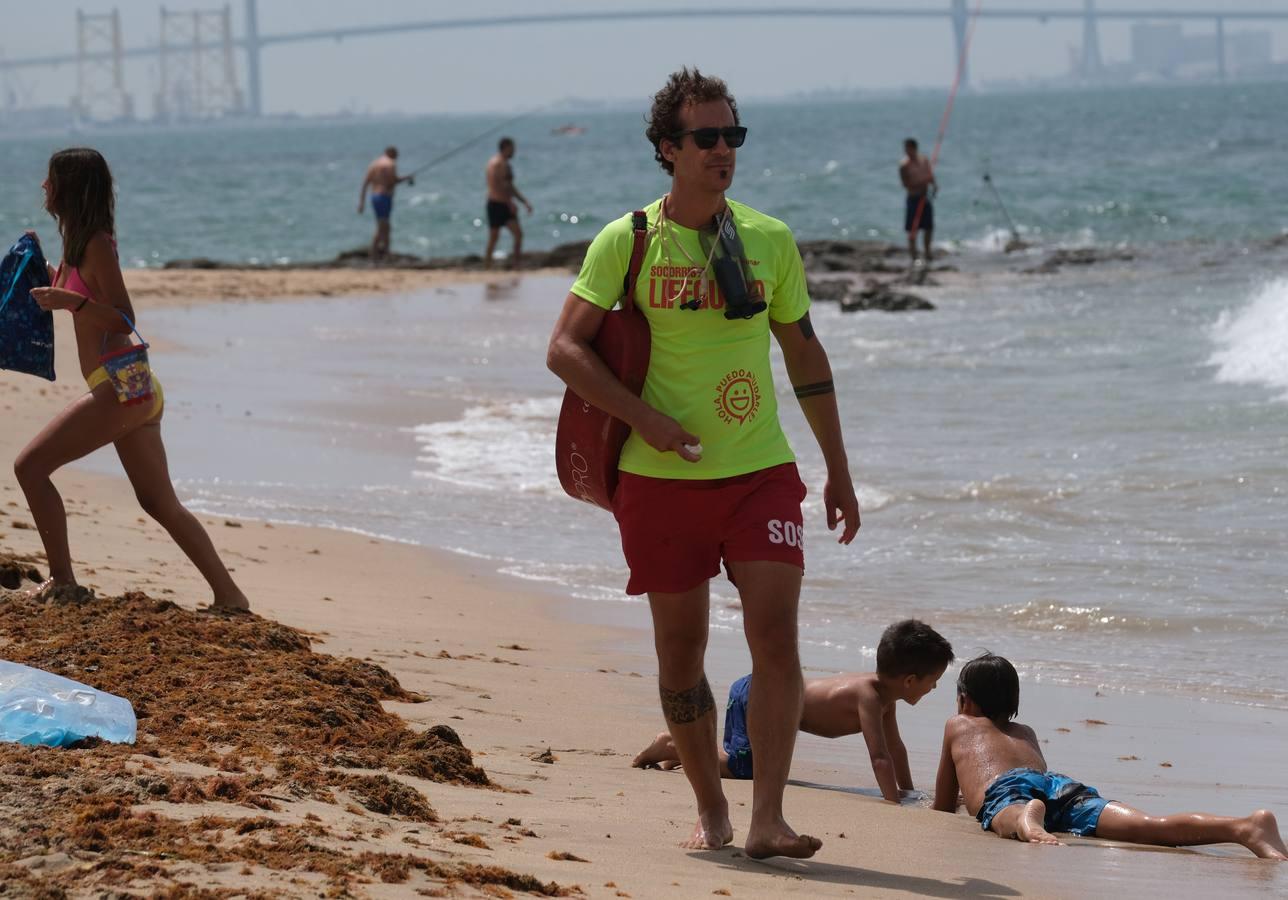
919 214
502 212
382 178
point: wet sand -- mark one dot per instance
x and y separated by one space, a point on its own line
265 763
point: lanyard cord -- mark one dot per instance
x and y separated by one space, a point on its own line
668 238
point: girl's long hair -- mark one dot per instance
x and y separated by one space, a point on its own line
81 199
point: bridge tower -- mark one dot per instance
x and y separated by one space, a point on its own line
958 11
1092 65
1220 48
252 59
100 85
198 76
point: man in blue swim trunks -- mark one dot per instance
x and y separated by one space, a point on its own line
1002 776
382 178
918 212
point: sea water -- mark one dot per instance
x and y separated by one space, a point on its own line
1084 473
1139 165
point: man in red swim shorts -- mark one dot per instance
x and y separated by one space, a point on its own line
707 476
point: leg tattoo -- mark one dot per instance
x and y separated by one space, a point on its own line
683 707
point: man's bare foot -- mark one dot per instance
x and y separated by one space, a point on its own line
780 840
1263 836
712 830
1031 825
658 754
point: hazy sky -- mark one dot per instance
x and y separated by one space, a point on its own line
509 68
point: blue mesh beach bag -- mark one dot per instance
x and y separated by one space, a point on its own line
26 330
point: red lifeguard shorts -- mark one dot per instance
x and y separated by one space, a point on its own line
676 531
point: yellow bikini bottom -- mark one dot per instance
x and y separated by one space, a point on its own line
100 376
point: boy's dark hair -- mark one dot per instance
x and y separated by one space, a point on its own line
682 88
504 142
910 143
81 198
391 151
992 682
912 647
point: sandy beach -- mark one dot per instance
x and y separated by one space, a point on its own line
182 287
313 748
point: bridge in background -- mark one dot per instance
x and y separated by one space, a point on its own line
956 12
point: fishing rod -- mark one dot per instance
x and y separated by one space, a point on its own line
948 109
470 143
1015 234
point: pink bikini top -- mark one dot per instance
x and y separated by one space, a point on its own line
74 281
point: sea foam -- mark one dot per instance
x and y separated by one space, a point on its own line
1253 341
495 447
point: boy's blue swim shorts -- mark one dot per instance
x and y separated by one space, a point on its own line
736 742
1071 806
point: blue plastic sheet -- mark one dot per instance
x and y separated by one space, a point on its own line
39 707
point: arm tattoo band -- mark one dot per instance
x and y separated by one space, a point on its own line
813 390
807 329
683 707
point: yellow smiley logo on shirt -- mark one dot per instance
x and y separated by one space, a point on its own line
737 397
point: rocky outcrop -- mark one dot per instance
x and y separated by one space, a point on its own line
819 256
881 296
873 295
1082 256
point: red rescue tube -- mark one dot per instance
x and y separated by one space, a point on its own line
588 442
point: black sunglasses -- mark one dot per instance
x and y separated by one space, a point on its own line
705 138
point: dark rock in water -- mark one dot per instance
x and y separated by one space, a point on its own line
832 264
1082 256
360 258
1044 268
849 248
1016 244
880 266
200 262
847 256
878 296
567 255
818 256
828 289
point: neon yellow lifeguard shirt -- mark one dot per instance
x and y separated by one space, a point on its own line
709 373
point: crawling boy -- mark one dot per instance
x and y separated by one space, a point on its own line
911 658
1003 777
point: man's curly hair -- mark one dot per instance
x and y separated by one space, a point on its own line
682 88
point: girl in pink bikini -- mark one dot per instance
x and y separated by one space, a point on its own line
124 404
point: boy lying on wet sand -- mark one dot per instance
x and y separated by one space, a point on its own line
911 658
1003 778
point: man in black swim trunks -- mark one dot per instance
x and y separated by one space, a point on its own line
502 212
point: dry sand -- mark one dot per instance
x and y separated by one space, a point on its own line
184 287
308 757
